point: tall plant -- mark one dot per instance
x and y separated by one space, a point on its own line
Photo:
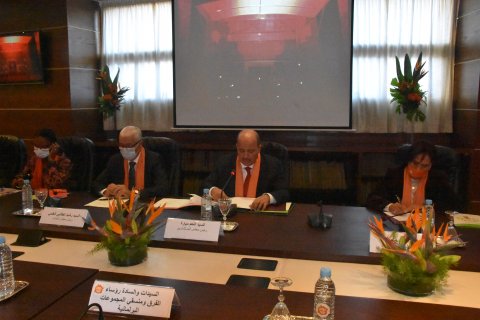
406 91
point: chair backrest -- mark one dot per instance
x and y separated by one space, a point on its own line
446 160
13 156
80 151
278 151
169 150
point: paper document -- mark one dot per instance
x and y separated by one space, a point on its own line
101 202
244 203
466 220
174 203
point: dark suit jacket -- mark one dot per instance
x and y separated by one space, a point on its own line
155 177
437 188
272 178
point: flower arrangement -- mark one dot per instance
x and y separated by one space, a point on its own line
128 231
112 94
406 91
416 266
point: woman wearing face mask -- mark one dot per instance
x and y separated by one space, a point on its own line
48 167
406 188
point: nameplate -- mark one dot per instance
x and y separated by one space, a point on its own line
192 229
63 217
133 299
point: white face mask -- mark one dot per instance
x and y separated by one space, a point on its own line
128 154
41 152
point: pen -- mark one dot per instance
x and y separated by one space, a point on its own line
398 198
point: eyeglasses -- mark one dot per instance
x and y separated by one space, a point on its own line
130 146
421 165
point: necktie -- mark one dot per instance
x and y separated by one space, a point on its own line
246 182
131 175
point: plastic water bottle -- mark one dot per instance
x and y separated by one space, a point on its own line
206 209
430 213
324 296
7 280
27 202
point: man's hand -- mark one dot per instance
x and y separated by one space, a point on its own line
117 190
397 208
260 203
217 193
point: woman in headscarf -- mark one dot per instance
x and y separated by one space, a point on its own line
49 167
406 188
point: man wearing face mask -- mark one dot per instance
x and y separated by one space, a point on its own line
48 167
406 188
134 167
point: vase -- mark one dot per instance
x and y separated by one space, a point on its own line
128 255
421 287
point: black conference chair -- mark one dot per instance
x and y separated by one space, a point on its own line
80 151
13 155
280 152
169 150
446 160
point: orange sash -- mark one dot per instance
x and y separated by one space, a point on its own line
139 171
419 196
37 174
252 186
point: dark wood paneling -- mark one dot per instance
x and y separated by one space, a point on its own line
467 6
22 15
465 122
474 182
468 39
55 48
25 123
86 123
53 94
466 81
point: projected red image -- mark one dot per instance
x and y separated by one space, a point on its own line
261 29
265 63
20 58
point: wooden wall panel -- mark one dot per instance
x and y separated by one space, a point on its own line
468 6
468 39
466 123
70 64
83 88
82 47
466 84
23 15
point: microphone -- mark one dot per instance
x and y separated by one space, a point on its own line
232 173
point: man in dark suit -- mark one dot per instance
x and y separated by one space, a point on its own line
134 167
257 175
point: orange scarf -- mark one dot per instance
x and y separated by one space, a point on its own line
419 196
252 186
37 175
139 171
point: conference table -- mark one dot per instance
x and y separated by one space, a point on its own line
199 271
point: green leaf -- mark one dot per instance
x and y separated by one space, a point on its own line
399 70
407 69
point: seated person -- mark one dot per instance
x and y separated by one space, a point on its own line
49 167
265 179
413 182
134 167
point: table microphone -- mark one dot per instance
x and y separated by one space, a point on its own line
232 173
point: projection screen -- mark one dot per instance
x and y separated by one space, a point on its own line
262 63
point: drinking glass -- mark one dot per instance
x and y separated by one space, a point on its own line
280 311
41 195
224 205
